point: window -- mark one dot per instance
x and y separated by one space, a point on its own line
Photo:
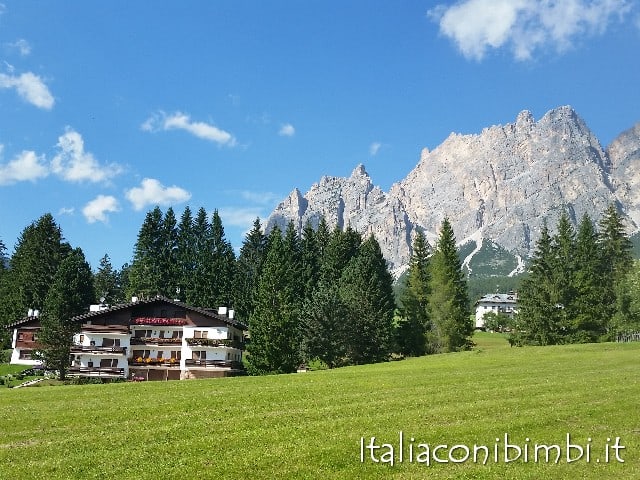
20 336
109 363
25 354
110 342
197 334
176 334
81 338
160 354
161 334
90 364
199 355
177 355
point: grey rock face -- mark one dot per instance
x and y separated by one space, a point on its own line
500 185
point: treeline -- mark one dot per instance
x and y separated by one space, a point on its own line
582 285
322 295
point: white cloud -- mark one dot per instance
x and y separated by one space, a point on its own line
261 198
374 148
524 26
26 166
30 87
181 121
22 46
66 211
152 192
96 210
242 217
74 164
287 130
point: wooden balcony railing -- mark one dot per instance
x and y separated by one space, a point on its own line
214 342
214 364
97 371
98 349
155 341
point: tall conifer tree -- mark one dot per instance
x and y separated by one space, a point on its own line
145 274
248 271
366 289
71 293
274 325
414 322
451 325
38 253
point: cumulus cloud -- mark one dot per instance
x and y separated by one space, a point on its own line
27 166
74 164
30 87
524 26
374 148
152 192
96 210
287 130
182 121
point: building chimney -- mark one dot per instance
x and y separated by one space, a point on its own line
232 313
222 310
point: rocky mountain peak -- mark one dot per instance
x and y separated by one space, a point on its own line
498 186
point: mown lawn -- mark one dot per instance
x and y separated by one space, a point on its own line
310 425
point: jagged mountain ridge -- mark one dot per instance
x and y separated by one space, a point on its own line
498 185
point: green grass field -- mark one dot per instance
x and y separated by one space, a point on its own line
310 425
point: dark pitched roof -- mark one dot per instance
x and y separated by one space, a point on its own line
160 299
22 321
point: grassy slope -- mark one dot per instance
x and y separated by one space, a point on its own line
309 425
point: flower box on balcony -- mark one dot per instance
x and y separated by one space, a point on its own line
159 321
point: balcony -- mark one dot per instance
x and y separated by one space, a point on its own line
111 329
214 342
155 341
214 364
159 321
154 362
98 349
96 371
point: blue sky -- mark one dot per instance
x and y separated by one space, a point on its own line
109 108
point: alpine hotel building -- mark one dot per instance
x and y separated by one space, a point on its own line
152 339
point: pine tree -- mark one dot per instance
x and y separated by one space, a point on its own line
366 289
185 254
563 268
169 270
106 282
274 326
70 294
451 325
248 271
145 274
310 259
340 248
223 265
199 293
588 310
616 257
414 322
538 313
324 323
37 255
